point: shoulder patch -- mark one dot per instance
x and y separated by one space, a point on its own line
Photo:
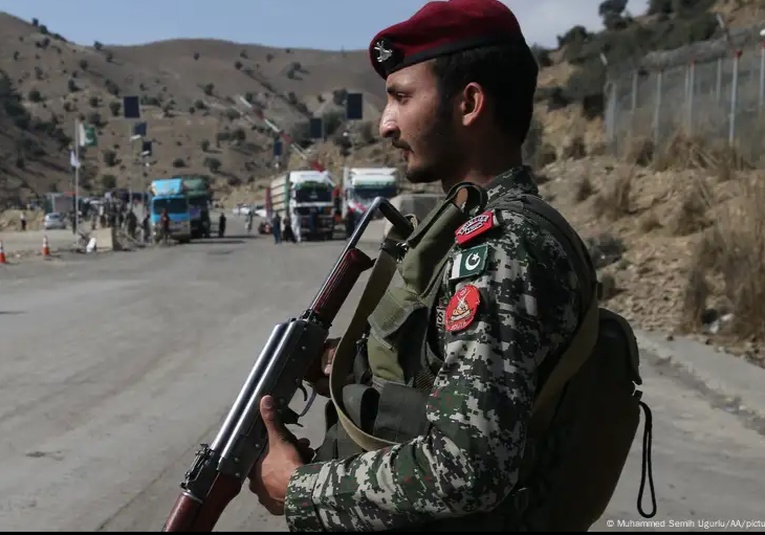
476 226
469 262
462 307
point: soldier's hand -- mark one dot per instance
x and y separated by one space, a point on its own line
270 476
318 373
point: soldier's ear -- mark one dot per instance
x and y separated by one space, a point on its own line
472 103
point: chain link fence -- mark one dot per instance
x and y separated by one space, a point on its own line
712 91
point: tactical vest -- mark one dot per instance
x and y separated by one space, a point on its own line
375 375
384 367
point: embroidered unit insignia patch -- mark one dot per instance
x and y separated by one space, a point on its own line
475 227
462 307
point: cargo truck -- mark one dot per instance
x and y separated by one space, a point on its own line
199 195
169 193
362 184
306 198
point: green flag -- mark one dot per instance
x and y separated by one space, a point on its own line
88 136
469 262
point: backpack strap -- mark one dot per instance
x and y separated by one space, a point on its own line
556 374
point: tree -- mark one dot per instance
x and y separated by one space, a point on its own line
612 7
611 12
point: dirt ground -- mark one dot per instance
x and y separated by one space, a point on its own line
655 232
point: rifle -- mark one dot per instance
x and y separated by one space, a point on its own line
220 469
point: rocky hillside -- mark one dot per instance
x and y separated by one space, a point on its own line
188 90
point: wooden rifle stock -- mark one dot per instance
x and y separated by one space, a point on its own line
339 284
190 515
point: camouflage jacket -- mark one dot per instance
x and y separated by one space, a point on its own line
481 400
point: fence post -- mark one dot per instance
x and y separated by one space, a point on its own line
657 108
614 106
718 84
633 102
691 91
761 95
733 99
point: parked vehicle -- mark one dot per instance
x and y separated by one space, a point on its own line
54 220
170 194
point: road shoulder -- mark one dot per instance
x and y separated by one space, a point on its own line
737 385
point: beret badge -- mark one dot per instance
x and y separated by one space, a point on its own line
384 50
387 56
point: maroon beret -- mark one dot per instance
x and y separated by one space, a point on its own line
440 28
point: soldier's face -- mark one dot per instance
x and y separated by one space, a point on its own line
411 120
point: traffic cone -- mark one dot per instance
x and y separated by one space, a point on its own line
46 247
2 254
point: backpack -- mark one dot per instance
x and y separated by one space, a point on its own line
588 399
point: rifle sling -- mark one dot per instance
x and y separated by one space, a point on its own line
345 354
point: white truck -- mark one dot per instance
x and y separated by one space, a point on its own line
306 197
362 184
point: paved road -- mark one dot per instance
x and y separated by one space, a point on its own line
115 367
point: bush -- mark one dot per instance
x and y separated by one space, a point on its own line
109 182
213 164
110 158
94 118
339 96
112 88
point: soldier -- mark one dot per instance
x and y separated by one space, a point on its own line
460 80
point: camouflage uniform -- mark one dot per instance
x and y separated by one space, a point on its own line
481 400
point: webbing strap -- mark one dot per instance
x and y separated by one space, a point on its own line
578 351
377 284
342 364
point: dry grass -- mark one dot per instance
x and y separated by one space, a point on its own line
734 250
575 148
650 221
695 298
615 201
698 152
640 151
691 215
584 189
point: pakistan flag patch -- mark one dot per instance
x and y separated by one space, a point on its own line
469 262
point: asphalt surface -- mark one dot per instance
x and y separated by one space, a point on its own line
116 366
